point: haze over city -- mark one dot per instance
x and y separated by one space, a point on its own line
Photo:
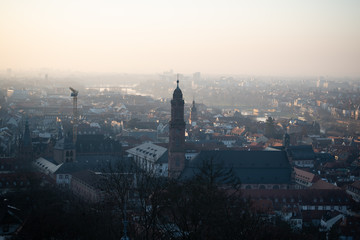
308 38
179 120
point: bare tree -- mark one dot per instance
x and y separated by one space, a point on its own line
208 206
140 191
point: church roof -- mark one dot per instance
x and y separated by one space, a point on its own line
250 167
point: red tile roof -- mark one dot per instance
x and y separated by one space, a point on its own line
304 175
321 184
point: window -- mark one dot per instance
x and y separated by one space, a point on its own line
66 176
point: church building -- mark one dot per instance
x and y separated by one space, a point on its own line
255 169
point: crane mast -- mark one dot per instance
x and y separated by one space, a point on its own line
74 94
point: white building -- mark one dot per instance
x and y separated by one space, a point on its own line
50 169
151 157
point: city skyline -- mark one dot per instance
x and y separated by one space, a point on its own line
227 37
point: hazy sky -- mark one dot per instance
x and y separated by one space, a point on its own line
304 37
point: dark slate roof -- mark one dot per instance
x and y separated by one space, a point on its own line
88 177
324 157
102 163
69 167
96 143
251 167
64 143
303 152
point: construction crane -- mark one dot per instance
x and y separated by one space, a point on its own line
74 94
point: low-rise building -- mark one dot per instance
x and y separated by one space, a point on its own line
304 179
301 156
354 191
86 185
151 157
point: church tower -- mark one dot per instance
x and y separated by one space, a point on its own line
64 150
176 160
26 150
193 114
